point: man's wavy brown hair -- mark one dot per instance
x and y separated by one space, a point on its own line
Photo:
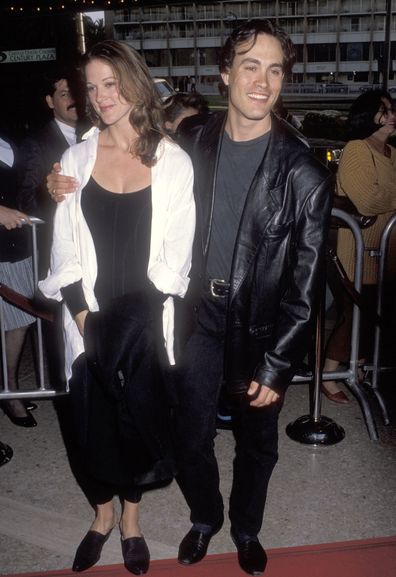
248 32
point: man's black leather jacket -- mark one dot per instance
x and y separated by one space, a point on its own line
278 262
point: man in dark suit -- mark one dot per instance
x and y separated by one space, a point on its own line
38 153
40 150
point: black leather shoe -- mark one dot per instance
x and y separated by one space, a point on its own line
28 421
194 546
136 555
89 550
5 454
251 556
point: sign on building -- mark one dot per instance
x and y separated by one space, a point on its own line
33 55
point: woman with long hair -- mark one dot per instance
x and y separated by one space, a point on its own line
367 176
121 254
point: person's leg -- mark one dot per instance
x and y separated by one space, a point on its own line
129 522
14 408
338 347
99 494
199 378
256 453
89 550
134 547
198 382
105 517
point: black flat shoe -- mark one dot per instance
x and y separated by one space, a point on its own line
29 406
194 546
28 421
5 454
136 555
251 556
89 550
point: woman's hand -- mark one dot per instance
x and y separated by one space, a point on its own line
11 218
58 184
80 321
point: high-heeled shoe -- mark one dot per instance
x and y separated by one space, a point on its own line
136 555
28 421
338 397
89 550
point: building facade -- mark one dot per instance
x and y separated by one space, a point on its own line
337 41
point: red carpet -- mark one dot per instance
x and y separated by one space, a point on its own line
368 558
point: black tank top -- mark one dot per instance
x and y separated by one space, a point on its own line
120 225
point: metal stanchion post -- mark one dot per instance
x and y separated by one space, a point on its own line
304 428
3 348
315 429
41 391
377 336
39 329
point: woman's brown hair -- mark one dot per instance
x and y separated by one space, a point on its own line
136 86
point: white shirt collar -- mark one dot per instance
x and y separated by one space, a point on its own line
69 132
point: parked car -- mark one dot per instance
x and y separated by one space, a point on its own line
327 151
164 88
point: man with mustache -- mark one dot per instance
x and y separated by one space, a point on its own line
38 152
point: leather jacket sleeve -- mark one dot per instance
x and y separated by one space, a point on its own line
293 329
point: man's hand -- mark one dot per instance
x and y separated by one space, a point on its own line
58 184
265 397
11 218
80 321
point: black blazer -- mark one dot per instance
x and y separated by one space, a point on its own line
278 257
39 151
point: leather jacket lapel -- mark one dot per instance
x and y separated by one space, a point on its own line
211 137
264 200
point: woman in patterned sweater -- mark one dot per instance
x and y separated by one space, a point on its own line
367 176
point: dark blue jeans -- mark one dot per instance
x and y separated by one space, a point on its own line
198 380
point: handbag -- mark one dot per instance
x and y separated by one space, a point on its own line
345 204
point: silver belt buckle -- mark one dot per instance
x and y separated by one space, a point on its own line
215 283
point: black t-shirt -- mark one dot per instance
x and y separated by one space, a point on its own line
238 164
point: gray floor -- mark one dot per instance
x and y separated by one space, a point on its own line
317 494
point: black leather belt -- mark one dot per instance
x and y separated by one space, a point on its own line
218 287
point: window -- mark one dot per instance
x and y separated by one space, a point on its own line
355 24
182 57
353 51
287 8
321 52
262 9
208 11
156 58
327 24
